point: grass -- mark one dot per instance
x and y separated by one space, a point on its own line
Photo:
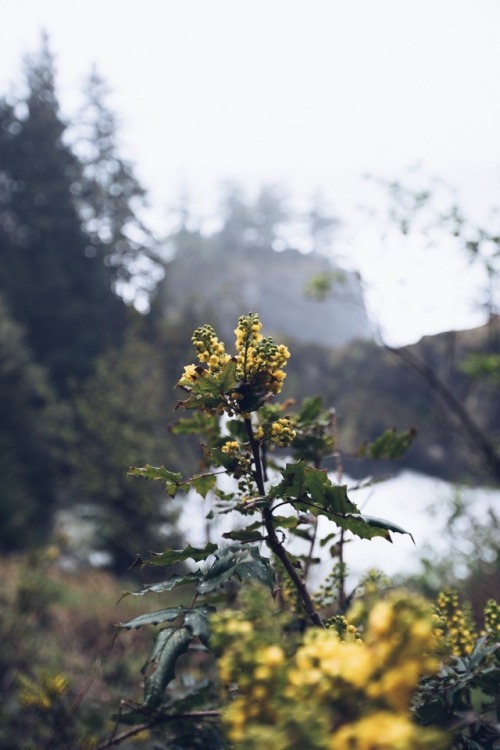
57 630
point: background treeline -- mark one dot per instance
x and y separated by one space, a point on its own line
82 373
86 379
87 357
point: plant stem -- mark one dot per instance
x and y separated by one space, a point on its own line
114 741
272 538
339 471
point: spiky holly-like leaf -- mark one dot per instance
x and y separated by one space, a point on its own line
171 479
174 556
237 561
204 483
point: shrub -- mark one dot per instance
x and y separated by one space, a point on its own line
231 667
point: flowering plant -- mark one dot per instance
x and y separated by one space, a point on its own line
289 670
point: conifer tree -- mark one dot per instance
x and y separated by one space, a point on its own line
52 282
27 440
110 199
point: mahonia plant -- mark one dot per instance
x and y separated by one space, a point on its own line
293 670
336 688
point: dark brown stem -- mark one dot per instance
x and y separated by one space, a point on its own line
258 472
315 522
272 538
339 471
308 562
154 722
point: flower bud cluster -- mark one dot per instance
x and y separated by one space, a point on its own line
282 432
492 620
210 351
242 463
231 448
345 630
258 369
260 361
454 624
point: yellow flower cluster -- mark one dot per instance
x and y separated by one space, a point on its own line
239 459
210 351
454 624
381 730
231 448
44 693
282 432
258 668
258 369
492 620
335 693
260 361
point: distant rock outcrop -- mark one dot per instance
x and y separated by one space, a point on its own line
216 286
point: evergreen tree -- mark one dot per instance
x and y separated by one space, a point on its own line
321 224
110 199
121 422
27 442
252 224
54 286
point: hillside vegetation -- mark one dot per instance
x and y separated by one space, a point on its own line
374 388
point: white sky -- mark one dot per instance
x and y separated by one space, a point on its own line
310 93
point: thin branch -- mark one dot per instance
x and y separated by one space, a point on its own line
272 538
309 558
476 436
339 471
154 722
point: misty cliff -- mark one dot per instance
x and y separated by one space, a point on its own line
208 284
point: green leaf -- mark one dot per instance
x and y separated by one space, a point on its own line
172 479
210 389
310 489
251 533
237 561
328 496
368 527
358 526
285 522
170 644
160 588
196 424
204 483
381 523
311 409
292 484
390 445
227 377
237 429
153 618
198 622
174 556
217 458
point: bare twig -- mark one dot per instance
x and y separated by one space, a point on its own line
210 714
476 436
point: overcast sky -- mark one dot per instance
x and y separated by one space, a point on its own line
309 93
